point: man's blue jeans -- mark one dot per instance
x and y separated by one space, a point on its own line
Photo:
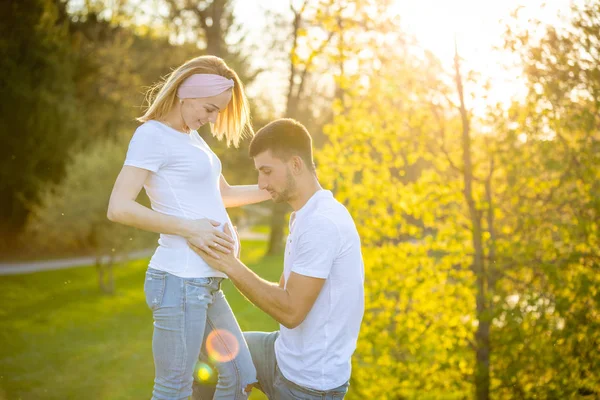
271 380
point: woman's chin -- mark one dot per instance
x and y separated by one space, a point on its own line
196 126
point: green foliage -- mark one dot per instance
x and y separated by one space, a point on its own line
38 109
418 320
554 249
67 81
394 153
535 192
115 64
72 216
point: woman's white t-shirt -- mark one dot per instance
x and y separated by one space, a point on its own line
184 182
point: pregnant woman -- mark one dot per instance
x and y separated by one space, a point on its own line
182 177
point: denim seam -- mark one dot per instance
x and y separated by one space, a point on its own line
235 367
164 289
183 330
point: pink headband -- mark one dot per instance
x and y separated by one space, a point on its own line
203 85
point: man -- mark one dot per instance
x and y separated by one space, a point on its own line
319 300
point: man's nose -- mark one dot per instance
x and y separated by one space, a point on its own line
262 184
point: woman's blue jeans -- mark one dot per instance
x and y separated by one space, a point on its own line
188 312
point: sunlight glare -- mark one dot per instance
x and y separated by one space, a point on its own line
202 372
478 26
222 346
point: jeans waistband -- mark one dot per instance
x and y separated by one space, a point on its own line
209 280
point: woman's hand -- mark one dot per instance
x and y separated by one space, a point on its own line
202 234
226 262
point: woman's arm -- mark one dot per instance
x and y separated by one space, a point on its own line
123 208
241 195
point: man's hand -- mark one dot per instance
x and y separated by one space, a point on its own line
239 242
221 262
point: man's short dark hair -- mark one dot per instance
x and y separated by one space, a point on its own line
285 137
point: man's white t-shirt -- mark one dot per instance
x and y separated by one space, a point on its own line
184 182
323 243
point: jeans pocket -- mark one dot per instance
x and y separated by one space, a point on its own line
154 288
198 291
199 282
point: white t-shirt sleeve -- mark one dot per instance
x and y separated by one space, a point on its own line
316 249
146 150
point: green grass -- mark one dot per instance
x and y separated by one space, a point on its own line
62 339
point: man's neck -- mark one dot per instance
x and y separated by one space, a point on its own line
305 191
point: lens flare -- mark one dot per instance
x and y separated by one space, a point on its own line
222 346
203 373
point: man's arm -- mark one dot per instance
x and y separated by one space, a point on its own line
288 306
291 300
281 281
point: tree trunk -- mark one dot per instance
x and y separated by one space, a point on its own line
277 225
213 18
213 28
110 279
482 335
106 281
100 271
278 210
297 80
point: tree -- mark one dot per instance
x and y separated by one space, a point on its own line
323 33
116 60
40 120
212 20
551 315
71 217
479 232
415 337
70 80
299 68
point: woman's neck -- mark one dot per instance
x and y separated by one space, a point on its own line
174 120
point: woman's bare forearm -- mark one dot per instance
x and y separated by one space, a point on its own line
131 213
241 195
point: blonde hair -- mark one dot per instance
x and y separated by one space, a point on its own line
233 123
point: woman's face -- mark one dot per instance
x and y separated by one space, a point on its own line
199 111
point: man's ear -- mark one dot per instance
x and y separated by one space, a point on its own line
297 164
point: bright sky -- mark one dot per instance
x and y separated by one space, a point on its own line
478 27
476 23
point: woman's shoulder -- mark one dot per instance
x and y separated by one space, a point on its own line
147 134
149 129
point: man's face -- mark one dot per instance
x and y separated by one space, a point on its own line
275 176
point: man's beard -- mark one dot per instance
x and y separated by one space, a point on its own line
288 191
